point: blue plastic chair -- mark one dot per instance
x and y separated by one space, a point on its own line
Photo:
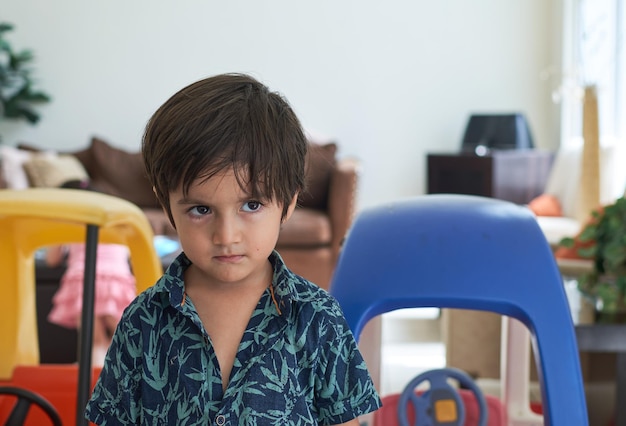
466 252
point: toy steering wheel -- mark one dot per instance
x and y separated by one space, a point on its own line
441 404
24 400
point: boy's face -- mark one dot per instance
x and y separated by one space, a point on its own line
225 233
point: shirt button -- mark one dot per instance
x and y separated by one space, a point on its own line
220 420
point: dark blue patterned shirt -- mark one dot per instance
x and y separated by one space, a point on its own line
297 364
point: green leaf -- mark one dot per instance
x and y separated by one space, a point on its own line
17 93
5 26
589 233
606 236
587 252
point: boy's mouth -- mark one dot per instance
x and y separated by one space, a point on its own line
230 258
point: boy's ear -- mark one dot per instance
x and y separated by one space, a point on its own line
291 208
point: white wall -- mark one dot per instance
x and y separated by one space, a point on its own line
389 80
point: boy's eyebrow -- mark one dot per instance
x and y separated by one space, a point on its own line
187 200
244 197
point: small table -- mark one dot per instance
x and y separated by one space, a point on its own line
601 338
516 175
608 338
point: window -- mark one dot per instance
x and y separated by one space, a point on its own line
594 55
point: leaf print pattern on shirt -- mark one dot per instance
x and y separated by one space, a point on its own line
297 367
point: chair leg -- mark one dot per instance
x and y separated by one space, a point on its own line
515 374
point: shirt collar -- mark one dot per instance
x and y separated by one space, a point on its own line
283 282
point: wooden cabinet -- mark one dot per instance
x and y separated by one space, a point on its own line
512 175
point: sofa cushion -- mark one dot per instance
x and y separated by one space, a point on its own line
118 172
305 228
49 170
13 174
319 164
113 171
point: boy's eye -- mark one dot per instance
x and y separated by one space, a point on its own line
251 206
200 210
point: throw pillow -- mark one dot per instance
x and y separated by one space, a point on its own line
84 155
13 173
49 170
119 173
319 164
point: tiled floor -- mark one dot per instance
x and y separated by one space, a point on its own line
411 345
401 362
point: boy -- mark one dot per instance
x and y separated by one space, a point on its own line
229 335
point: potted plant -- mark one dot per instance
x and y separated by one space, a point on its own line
603 240
17 86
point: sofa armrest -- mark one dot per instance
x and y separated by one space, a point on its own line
342 199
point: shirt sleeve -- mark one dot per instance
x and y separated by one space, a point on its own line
344 388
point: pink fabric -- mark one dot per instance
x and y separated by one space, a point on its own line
387 415
115 285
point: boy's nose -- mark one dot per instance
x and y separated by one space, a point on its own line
226 231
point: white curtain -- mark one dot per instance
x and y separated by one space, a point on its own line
593 55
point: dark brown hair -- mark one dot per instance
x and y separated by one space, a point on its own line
221 122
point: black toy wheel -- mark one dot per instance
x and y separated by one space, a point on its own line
25 398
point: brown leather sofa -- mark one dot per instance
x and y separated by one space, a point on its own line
309 242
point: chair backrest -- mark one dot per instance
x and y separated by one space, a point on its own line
32 218
466 252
